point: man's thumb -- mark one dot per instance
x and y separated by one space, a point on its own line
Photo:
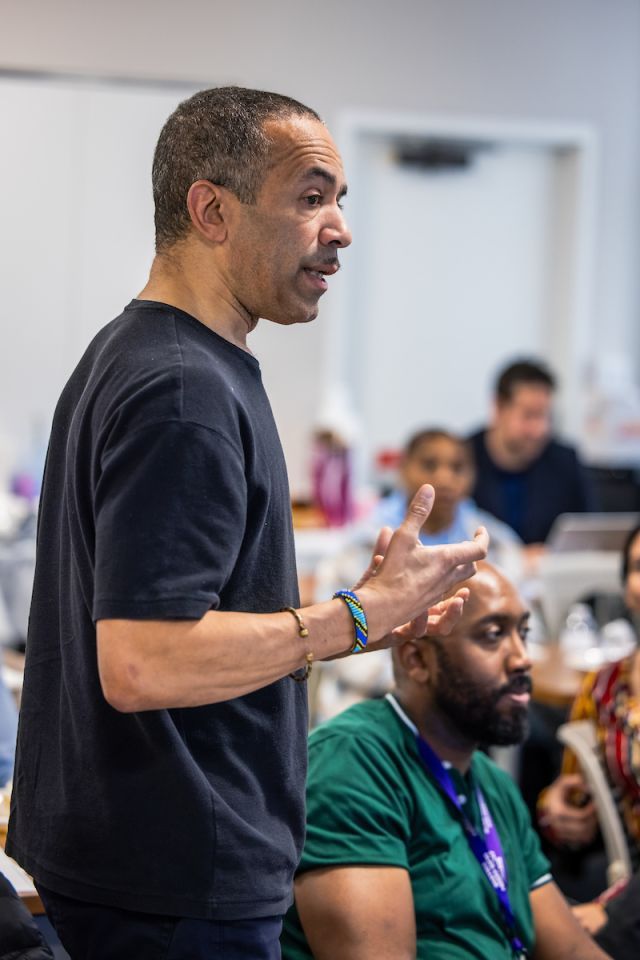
419 509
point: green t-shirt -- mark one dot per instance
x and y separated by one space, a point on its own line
370 800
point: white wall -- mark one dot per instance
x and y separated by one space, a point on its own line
548 60
77 241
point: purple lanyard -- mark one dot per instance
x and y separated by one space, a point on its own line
487 848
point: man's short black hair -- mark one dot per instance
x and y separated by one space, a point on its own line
215 135
520 372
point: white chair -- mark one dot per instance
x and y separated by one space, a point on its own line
566 577
580 736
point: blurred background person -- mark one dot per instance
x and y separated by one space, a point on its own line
524 475
444 460
610 698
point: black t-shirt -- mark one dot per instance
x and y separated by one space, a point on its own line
530 500
165 496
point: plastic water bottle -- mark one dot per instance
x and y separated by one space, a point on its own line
580 638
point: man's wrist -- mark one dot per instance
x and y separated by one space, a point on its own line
380 613
358 617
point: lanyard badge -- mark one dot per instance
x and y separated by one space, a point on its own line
486 847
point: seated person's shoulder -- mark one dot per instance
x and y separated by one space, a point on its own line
360 735
358 807
560 453
477 436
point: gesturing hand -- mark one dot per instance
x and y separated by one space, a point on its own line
439 620
405 586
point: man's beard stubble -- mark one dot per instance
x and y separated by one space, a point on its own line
474 710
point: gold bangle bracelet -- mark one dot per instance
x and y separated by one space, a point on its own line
302 632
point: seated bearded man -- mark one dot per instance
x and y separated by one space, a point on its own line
417 844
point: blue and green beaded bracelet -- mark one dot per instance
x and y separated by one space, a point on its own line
358 615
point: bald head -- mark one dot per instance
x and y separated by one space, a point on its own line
478 676
490 591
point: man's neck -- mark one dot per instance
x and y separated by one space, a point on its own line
502 455
177 280
450 746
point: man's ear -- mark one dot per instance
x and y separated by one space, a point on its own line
207 205
416 660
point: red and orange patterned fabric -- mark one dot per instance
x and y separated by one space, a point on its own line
605 697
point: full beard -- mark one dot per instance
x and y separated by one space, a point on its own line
474 710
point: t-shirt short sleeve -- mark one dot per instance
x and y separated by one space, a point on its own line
355 814
170 509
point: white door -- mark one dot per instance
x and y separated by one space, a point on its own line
453 272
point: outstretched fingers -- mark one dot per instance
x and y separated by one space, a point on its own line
463 557
470 551
439 620
379 550
444 616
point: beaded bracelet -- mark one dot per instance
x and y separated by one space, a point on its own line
360 626
302 632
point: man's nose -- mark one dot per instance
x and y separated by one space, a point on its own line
336 233
518 656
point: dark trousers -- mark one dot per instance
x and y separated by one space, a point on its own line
89 931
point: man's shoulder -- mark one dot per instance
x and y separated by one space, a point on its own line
478 443
557 460
374 718
558 451
154 363
372 725
148 328
476 439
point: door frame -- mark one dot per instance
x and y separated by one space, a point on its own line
574 149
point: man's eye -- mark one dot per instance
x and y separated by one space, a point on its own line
524 632
493 635
313 200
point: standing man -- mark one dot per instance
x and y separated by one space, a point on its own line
523 476
158 796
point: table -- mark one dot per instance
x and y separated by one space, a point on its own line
554 683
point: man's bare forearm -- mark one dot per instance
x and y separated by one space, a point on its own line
158 664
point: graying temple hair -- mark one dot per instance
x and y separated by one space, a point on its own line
215 135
